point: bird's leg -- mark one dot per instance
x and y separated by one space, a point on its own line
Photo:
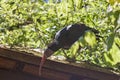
65 54
78 53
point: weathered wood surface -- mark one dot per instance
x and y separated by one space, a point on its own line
15 75
52 70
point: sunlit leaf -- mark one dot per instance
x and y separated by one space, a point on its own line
90 38
115 52
108 61
118 1
82 41
110 41
111 1
113 57
75 48
117 41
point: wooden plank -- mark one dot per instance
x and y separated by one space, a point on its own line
46 73
76 70
80 70
8 64
16 75
20 56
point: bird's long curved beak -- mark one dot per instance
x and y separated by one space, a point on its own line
46 54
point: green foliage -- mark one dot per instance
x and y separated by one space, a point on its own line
33 23
90 38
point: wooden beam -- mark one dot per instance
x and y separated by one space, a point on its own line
31 65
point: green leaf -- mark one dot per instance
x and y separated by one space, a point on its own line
107 59
75 48
111 1
110 41
82 41
90 38
117 41
115 53
116 16
113 57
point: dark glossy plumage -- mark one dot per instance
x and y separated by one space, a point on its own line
68 35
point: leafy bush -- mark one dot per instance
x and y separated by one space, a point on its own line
33 23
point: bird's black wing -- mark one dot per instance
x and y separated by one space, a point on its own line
60 40
61 36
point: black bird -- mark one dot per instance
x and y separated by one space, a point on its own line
65 38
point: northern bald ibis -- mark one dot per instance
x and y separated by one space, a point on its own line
65 38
